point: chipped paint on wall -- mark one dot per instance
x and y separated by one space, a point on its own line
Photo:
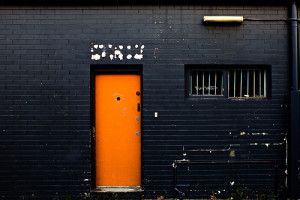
117 52
267 144
244 133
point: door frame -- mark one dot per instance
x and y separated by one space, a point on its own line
110 69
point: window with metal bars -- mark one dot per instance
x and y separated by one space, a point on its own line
205 83
247 83
229 81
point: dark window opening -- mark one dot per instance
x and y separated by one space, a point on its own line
206 83
247 83
227 81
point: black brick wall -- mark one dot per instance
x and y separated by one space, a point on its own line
45 63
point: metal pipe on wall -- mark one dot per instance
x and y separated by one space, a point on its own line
294 46
293 150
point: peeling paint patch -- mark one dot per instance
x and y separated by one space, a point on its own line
267 144
232 154
117 52
260 133
129 56
95 57
138 56
254 134
243 133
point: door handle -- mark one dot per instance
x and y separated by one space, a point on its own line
138 107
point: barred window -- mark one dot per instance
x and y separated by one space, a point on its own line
247 83
206 83
229 81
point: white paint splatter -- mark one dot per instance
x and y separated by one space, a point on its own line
95 57
129 56
118 54
260 133
138 56
267 144
99 51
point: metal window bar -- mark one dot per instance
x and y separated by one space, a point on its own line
197 85
222 85
191 83
248 83
208 88
228 84
265 83
241 84
259 83
254 94
234 83
203 83
216 83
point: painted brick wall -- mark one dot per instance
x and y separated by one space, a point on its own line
45 58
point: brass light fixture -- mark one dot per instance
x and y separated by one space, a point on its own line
223 18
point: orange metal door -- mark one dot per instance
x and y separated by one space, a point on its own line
118 130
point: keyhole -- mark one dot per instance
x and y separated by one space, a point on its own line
118 98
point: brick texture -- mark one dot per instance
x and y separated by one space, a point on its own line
45 59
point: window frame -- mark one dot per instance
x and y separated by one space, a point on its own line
225 69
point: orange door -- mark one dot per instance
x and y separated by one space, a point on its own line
118 130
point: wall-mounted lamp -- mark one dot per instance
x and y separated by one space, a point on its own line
223 18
